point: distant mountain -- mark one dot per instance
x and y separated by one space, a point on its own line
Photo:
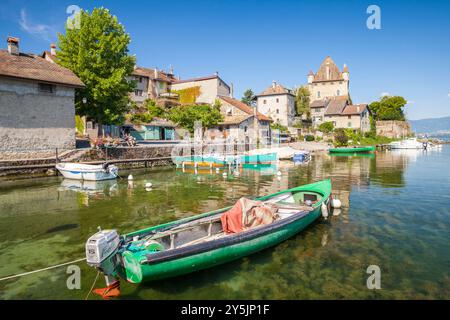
435 125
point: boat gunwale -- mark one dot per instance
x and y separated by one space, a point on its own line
230 240
315 185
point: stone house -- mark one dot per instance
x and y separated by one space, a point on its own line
210 87
277 103
356 117
151 84
36 103
241 122
329 81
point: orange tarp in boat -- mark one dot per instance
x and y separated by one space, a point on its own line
246 214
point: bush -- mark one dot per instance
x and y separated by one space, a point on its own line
309 137
340 137
326 127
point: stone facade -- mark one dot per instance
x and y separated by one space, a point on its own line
329 81
277 103
31 120
393 129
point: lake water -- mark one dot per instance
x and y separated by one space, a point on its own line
396 215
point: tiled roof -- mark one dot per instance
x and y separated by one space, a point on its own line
333 73
150 73
33 67
275 89
243 107
197 79
354 109
49 55
318 103
335 107
234 119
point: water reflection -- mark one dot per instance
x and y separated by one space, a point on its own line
46 221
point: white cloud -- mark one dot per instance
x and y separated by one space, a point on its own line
410 102
42 30
384 94
448 95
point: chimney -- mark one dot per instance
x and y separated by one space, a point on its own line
53 49
155 73
171 70
216 73
13 46
357 109
231 90
274 84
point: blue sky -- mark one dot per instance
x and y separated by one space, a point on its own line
251 43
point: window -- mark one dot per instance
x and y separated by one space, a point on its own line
245 129
338 92
318 94
349 117
317 110
138 93
46 88
278 110
140 79
349 124
264 101
278 100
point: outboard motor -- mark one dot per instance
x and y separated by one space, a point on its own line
101 250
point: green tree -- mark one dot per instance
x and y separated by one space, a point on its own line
302 102
388 108
186 116
326 127
248 97
97 52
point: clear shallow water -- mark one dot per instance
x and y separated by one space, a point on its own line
396 214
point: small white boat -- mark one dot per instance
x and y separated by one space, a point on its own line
410 143
79 171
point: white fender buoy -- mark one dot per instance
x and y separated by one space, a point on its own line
279 173
324 210
130 177
224 174
336 203
217 170
148 185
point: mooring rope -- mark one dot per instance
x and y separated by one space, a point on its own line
39 270
93 284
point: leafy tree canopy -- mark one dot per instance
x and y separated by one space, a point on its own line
326 127
248 97
302 101
388 108
186 116
97 52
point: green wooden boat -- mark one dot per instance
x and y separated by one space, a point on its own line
198 242
352 149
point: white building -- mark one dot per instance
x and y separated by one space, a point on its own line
278 103
210 87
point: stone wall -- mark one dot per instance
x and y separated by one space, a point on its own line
393 129
32 121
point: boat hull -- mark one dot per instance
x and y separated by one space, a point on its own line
86 174
135 272
137 268
352 150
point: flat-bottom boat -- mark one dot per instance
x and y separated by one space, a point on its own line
410 143
200 242
352 149
80 171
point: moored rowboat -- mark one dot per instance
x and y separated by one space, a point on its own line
80 171
352 149
200 242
